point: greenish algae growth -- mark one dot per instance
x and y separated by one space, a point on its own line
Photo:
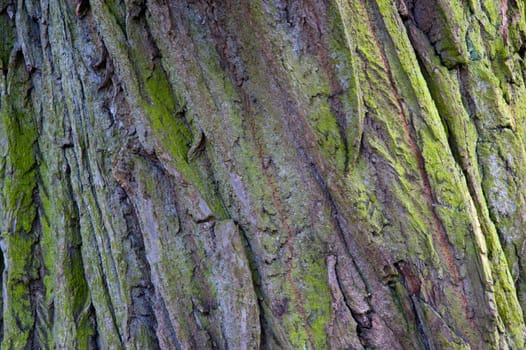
446 339
472 50
505 294
117 10
431 137
347 35
431 141
310 281
150 89
7 39
316 297
16 125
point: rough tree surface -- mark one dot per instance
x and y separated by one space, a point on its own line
274 174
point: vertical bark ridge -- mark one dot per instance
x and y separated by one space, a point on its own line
263 174
443 243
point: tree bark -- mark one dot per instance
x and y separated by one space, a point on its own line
286 174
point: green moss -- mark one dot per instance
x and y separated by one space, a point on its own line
349 32
325 128
311 284
508 306
444 337
20 183
165 122
390 101
316 299
86 331
452 46
16 126
7 39
465 139
117 10
472 50
18 315
449 190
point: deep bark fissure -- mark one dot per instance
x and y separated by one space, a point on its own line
142 294
362 321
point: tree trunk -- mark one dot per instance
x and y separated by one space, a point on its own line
286 174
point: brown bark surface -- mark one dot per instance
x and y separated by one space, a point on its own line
286 174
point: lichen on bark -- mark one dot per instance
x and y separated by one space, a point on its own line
262 174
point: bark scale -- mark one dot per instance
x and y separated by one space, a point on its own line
262 174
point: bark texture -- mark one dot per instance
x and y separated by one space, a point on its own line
274 174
